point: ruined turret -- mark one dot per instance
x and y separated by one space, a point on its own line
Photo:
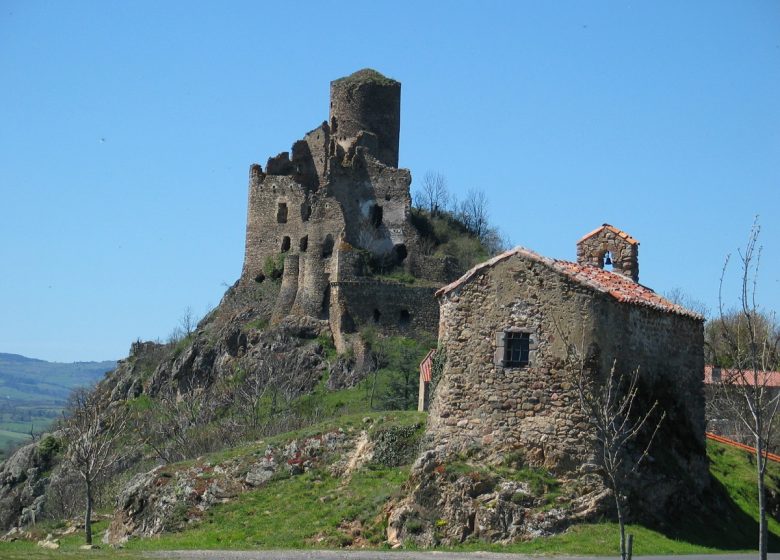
365 110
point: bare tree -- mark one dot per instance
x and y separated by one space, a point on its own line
751 351
473 212
609 406
680 297
434 193
92 428
188 322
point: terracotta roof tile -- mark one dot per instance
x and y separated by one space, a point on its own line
614 230
617 286
733 377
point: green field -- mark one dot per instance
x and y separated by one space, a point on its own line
33 393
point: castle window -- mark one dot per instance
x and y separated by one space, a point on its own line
305 212
404 318
377 315
304 244
375 215
281 213
285 244
327 246
514 348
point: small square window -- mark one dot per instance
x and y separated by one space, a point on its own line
516 348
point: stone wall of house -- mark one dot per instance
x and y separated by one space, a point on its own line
535 409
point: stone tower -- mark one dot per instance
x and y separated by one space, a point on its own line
365 110
610 242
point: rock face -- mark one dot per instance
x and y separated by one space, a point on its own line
452 501
167 498
24 478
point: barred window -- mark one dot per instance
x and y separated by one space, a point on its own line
516 349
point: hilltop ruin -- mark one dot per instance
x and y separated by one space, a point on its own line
337 210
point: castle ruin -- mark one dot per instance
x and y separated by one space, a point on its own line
337 209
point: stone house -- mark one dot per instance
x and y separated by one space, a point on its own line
506 329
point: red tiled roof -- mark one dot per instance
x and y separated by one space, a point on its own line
733 377
620 233
619 287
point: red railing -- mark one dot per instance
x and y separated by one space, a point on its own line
742 446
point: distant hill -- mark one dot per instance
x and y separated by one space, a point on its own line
28 379
33 392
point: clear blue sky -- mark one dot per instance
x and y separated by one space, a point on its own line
127 131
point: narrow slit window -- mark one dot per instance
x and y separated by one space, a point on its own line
285 244
281 213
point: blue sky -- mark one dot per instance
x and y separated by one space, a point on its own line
127 131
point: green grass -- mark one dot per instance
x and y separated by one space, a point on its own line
69 546
599 539
317 502
314 509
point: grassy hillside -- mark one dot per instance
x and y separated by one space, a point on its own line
32 392
318 510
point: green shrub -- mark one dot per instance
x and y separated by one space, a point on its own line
274 265
396 445
48 447
258 324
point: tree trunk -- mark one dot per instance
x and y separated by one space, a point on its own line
762 528
622 525
88 515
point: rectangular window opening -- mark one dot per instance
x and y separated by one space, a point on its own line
516 349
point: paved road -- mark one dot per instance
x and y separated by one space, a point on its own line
405 555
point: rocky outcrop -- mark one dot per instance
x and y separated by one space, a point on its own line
449 502
24 478
167 498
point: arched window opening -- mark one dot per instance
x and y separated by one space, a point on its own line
404 318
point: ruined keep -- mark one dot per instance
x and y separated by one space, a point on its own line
335 207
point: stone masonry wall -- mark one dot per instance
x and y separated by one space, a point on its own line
391 307
535 409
